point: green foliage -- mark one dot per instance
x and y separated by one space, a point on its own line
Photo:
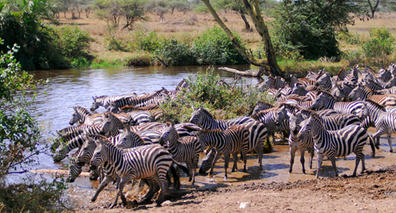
142 40
220 98
214 47
349 38
74 43
309 26
34 197
381 43
173 52
140 60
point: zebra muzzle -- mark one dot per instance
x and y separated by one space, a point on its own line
93 167
79 163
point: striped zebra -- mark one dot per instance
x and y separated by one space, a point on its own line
183 150
384 122
205 120
257 134
323 82
150 162
226 142
83 116
126 139
391 90
388 101
268 118
136 100
327 101
335 143
105 100
261 106
360 93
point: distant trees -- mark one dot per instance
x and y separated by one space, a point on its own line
114 10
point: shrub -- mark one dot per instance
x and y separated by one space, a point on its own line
172 52
140 60
148 42
349 38
380 43
74 42
214 47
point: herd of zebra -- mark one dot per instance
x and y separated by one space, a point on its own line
321 113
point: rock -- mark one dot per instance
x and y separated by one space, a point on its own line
244 205
166 203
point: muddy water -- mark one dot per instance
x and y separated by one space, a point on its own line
67 88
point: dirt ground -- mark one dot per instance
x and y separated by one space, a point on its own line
374 191
271 190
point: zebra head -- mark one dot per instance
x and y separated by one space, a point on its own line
294 122
100 154
113 107
299 89
86 152
74 171
169 134
76 117
306 128
323 101
111 125
280 115
199 116
207 161
260 106
95 104
357 94
129 139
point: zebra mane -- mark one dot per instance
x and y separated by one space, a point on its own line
99 97
326 92
376 104
206 112
82 110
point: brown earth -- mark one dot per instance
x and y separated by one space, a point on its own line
374 191
272 189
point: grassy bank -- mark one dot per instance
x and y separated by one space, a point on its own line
117 47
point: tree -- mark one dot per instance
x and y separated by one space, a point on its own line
159 7
114 10
253 9
373 7
309 26
236 6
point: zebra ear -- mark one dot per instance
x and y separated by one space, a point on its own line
93 97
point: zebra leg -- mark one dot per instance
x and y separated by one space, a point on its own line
372 145
292 154
217 156
390 142
333 162
302 160
164 190
234 166
363 164
102 185
226 161
356 164
122 183
259 150
244 161
311 152
320 159
153 188
378 134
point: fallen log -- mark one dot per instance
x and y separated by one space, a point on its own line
55 171
248 73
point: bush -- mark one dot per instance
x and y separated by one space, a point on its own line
74 42
349 38
213 47
140 60
148 42
380 43
172 52
209 91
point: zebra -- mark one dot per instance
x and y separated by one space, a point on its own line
105 100
360 93
388 100
116 105
261 106
326 101
126 139
64 149
268 118
83 116
335 143
391 90
183 150
205 120
150 162
384 122
226 142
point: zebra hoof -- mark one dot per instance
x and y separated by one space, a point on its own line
391 151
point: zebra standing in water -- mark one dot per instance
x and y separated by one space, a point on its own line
183 150
335 143
150 162
116 105
83 116
105 100
226 142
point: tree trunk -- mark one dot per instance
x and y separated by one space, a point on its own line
247 25
270 65
373 8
